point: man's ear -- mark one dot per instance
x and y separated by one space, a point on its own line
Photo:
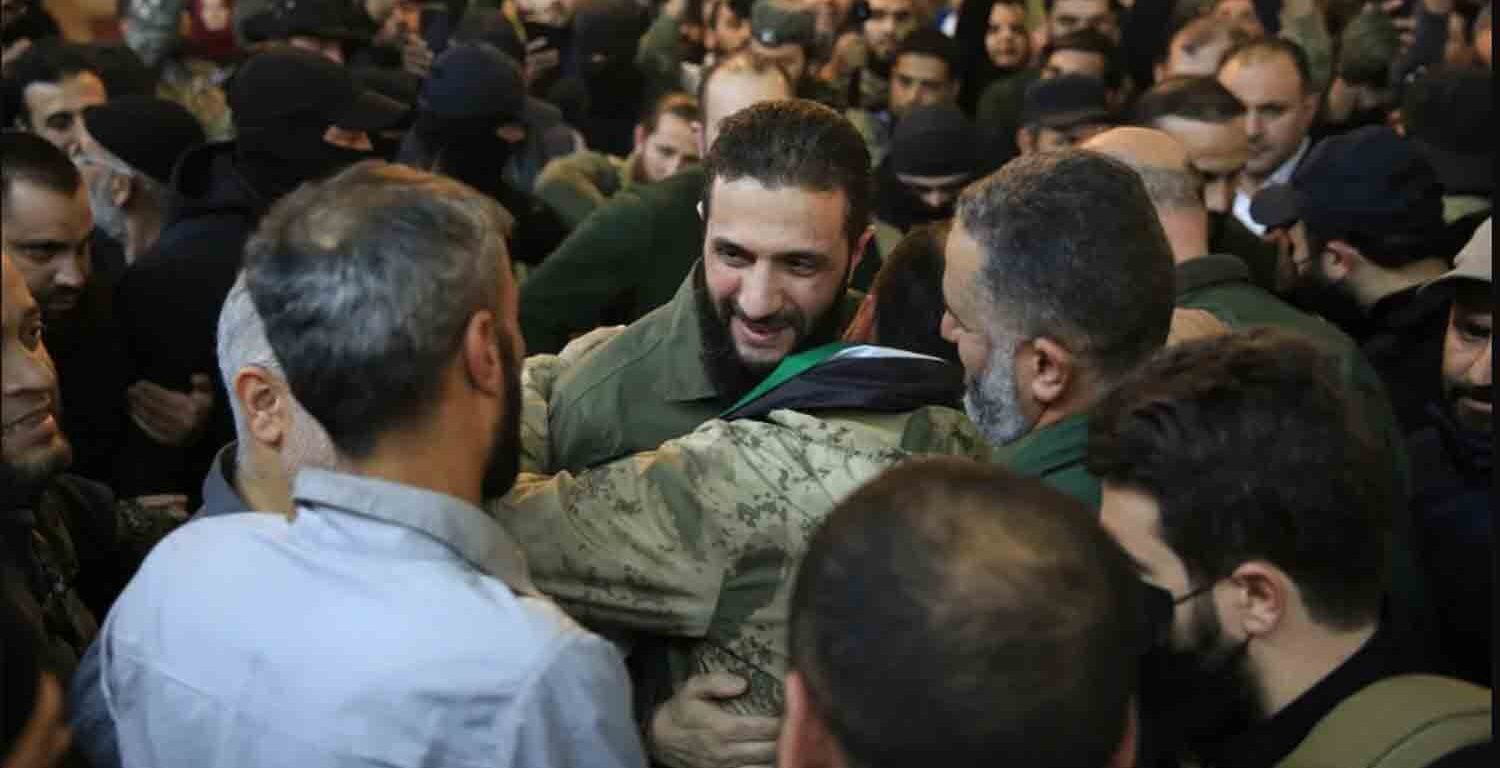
640 136
805 741
1339 260
481 354
1050 371
1260 597
263 402
512 133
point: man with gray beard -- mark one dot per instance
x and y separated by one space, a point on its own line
1058 282
126 152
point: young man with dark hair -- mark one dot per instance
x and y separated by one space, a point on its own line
666 141
1064 17
1271 78
1008 625
860 66
1086 52
786 212
632 254
924 72
802 421
47 89
1243 483
439 365
1058 282
1363 217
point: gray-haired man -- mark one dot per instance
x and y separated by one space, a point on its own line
391 620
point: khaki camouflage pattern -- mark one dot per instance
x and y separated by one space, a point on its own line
701 538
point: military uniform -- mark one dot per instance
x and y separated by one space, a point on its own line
1057 455
643 388
625 260
700 539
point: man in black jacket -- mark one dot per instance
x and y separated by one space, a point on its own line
298 117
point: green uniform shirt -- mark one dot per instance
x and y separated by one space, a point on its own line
623 261
1055 454
643 388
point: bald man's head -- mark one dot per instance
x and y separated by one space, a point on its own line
1161 161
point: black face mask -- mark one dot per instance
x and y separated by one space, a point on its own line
1194 701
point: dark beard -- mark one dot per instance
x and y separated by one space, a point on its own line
1315 294
22 484
1196 701
731 376
504 461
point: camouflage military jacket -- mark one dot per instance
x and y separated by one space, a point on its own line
701 538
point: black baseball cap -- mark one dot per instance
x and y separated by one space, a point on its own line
293 86
776 23
1064 102
147 133
1368 182
1450 116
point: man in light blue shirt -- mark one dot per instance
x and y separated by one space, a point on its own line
390 622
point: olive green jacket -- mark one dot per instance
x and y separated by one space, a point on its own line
623 261
1055 454
645 387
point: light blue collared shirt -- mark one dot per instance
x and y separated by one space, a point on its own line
386 625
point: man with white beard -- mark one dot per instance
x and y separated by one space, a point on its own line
1058 282
126 153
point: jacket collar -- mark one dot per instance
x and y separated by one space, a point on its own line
1213 269
683 376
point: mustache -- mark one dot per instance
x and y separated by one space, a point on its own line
786 318
1480 394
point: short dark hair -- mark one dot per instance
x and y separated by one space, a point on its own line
1271 47
1253 450
676 104
908 293
50 61
744 62
953 608
1189 97
1073 250
33 159
795 143
931 43
1090 40
365 282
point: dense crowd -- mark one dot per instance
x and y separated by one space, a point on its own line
718 383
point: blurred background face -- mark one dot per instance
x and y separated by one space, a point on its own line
1467 365
1277 111
48 235
32 446
1240 13
56 109
731 32
1218 152
832 15
670 148
919 81
1074 62
1006 40
889 23
790 57
553 13
1074 15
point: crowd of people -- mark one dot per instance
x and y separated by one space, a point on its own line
720 384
